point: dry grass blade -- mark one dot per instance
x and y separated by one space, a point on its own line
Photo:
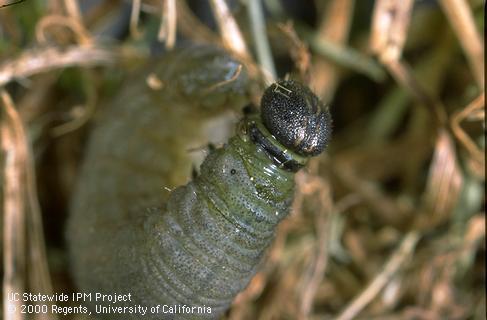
229 30
259 34
83 36
39 278
299 50
395 262
15 151
474 233
86 111
72 8
74 13
167 30
42 60
233 41
8 3
189 25
22 212
134 19
430 70
461 19
403 75
389 32
389 27
444 181
334 26
344 56
319 192
385 208
475 108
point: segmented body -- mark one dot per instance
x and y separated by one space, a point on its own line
195 248
201 244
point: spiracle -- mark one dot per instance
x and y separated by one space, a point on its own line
200 244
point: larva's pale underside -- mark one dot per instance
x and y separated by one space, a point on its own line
200 244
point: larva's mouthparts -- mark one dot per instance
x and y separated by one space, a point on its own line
296 117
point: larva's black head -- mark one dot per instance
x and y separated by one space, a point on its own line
296 117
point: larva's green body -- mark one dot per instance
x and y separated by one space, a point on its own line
199 247
203 246
200 244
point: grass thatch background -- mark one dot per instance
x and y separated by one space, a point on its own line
389 224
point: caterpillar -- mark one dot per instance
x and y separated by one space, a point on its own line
200 244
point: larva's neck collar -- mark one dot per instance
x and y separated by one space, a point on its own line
282 156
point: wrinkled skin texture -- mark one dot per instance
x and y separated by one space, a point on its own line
199 244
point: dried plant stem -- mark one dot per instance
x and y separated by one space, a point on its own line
298 50
83 36
232 39
72 8
390 27
395 262
22 203
88 109
319 192
383 206
344 56
192 27
403 75
475 106
167 31
12 135
444 181
259 32
461 19
389 31
134 18
335 27
39 277
229 30
430 72
42 60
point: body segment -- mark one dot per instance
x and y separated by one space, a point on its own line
199 245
